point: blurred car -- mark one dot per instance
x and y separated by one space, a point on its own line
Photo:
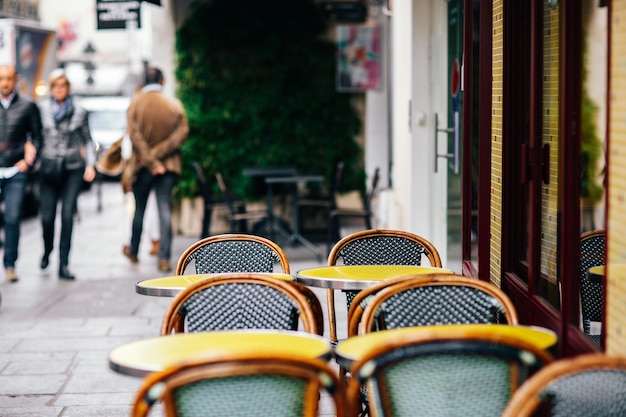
107 119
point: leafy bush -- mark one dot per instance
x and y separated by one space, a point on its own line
257 81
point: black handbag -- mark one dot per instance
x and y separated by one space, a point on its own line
50 167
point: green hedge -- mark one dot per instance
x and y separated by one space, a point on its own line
257 81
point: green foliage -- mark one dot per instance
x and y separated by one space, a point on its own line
591 147
257 82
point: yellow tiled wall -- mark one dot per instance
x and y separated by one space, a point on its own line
497 71
616 274
550 137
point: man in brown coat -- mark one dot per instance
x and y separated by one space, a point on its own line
157 126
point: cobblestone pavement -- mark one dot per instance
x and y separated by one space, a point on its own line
55 335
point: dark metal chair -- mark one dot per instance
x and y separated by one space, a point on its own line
233 253
244 301
325 202
238 215
242 385
335 215
587 385
592 253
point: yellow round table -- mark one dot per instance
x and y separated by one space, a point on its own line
359 277
171 286
355 348
596 273
155 354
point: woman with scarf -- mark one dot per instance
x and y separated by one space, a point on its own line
67 158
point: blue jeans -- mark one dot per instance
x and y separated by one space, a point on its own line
13 193
163 186
66 188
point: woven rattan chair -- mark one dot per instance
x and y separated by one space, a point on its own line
233 253
429 300
455 372
244 301
241 385
592 253
377 247
587 385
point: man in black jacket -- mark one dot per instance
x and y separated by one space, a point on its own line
20 137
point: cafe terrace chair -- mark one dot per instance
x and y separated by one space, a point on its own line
365 213
377 247
426 300
244 301
592 253
242 385
587 385
238 216
233 253
456 372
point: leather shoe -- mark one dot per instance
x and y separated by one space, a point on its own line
45 261
65 273
11 275
164 265
131 257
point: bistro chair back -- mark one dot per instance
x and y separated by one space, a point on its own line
377 247
233 253
244 301
587 385
592 253
429 300
449 373
241 385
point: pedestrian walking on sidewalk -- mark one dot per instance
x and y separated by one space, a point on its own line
20 138
67 158
157 126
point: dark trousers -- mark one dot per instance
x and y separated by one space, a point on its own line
163 186
66 189
13 193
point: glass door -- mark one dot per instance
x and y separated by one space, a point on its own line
453 132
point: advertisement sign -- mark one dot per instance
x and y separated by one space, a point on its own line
115 14
32 50
358 58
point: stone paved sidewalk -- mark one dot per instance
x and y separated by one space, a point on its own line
55 336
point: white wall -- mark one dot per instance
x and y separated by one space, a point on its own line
417 201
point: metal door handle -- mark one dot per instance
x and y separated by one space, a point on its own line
454 129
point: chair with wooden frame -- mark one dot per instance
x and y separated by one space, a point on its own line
451 372
592 253
233 253
377 247
426 300
241 384
586 385
244 301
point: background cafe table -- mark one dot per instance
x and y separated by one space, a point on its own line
171 286
354 348
355 278
155 354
